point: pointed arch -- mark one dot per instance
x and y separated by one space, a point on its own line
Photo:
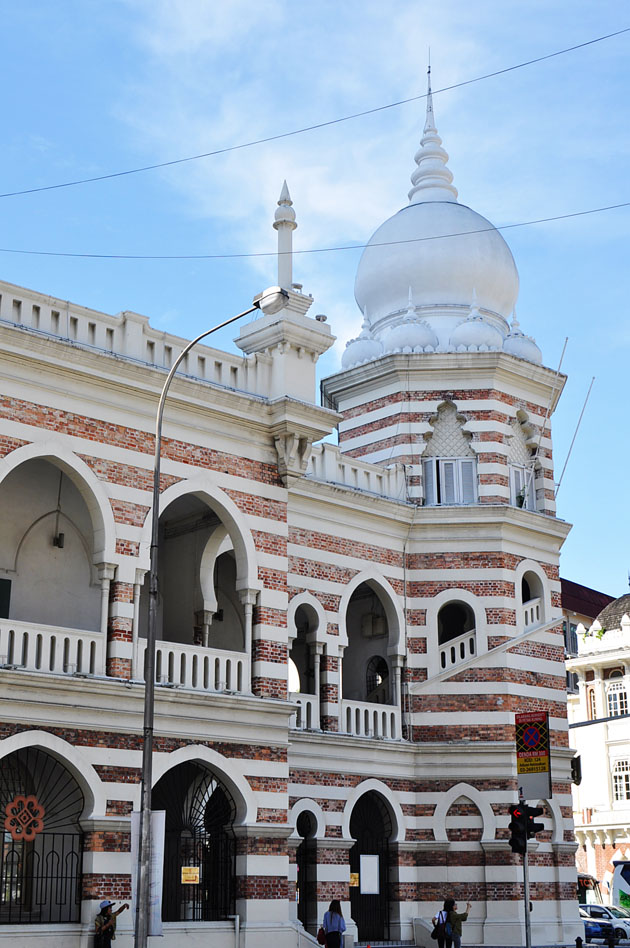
72 758
478 799
312 603
390 600
55 451
399 823
205 488
226 769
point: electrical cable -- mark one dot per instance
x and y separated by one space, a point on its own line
340 247
315 126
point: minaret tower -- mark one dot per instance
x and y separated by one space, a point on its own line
285 224
438 381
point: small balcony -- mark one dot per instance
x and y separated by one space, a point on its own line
196 668
365 719
457 650
532 613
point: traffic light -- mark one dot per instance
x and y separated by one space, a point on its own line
518 827
532 827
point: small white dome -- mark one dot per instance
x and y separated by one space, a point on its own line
518 344
410 335
362 349
475 333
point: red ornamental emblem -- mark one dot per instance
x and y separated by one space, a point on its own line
25 817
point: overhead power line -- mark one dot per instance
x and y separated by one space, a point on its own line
340 247
314 127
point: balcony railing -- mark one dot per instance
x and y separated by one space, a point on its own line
198 668
532 613
364 719
51 649
458 650
306 716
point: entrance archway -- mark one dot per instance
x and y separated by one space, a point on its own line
40 859
200 816
371 828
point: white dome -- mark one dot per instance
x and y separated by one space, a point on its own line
410 335
475 333
362 349
518 344
442 273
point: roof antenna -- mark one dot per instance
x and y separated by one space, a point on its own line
577 428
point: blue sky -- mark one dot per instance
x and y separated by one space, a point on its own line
92 87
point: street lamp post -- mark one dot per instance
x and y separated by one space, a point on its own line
269 302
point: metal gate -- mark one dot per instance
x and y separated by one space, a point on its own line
199 835
41 842
370 826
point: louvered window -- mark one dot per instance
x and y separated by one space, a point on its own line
522 493
449 481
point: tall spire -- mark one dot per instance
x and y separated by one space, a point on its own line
432 179
284 223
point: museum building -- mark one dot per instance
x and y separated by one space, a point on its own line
345 632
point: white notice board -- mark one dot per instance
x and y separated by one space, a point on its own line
368 868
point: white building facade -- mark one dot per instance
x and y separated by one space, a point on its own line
599 720
409 576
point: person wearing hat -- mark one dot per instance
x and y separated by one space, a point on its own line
105 923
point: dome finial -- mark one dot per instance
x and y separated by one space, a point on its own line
432 179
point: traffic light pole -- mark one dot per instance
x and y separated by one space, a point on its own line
528 921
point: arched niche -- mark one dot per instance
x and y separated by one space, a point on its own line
54 533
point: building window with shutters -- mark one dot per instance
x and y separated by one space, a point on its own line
522 492
449 464
621 780
449 481
617 699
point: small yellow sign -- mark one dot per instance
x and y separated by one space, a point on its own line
190 875
354 879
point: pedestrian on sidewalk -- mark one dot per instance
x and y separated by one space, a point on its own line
334 925
455 918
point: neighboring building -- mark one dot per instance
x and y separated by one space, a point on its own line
408 576
580 606
600 734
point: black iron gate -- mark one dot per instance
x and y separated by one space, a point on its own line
40 881
370 826
41 842
199 836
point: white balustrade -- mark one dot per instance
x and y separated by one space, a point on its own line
532 613
306 717
326 463
458 650
198 668
364 719
51 649
129 335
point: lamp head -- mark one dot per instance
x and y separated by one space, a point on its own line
271 300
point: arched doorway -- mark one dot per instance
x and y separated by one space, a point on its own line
199 832
371 827
306 859
42 842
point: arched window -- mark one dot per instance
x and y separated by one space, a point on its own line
592 705
617 699
532 599
377 680
456 633
621 780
